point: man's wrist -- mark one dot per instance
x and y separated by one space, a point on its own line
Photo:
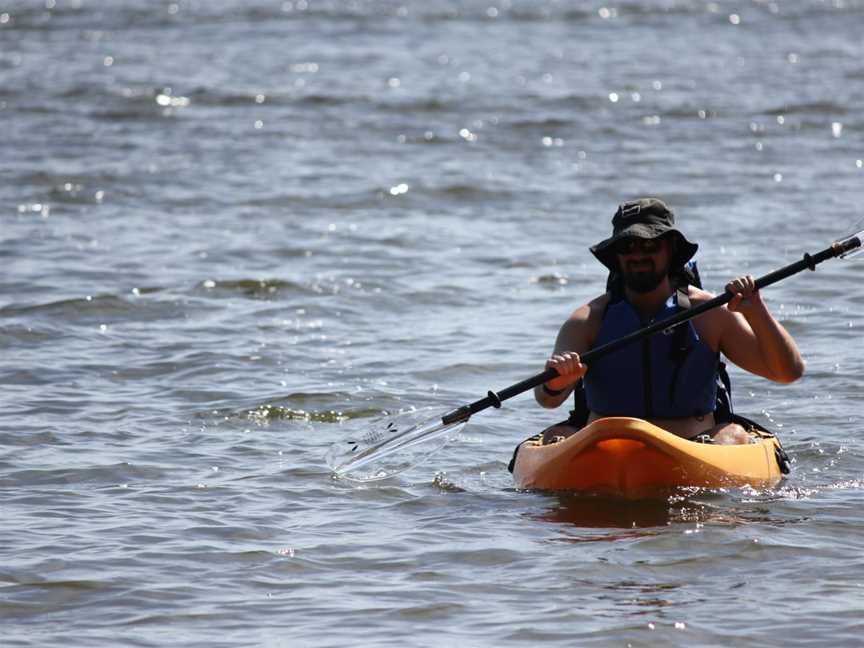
552 392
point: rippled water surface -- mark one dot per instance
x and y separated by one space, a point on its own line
236 232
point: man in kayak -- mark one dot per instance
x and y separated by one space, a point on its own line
669 379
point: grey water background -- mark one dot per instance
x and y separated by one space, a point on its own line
235 232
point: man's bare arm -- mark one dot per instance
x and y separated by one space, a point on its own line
575 336
754 340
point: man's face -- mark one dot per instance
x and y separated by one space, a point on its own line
643 262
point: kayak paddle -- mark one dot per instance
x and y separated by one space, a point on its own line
407 431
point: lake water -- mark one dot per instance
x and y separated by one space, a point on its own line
235 232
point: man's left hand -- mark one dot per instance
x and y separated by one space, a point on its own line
746 295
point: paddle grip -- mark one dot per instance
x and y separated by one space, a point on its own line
494 399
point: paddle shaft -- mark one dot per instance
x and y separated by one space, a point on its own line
810 262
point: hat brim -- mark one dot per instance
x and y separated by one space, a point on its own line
684 250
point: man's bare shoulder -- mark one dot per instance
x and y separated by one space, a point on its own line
591 311
699 296
711 323
579 330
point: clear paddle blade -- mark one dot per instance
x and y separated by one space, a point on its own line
393 445
856 249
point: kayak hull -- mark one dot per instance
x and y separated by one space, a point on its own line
632 458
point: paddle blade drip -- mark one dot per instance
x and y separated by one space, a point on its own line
393 445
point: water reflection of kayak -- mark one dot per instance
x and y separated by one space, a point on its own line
629 457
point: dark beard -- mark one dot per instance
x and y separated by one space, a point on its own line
642 281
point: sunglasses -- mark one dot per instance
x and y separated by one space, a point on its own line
646 246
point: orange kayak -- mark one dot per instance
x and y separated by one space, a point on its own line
632 458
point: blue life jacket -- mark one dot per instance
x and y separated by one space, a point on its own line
669 375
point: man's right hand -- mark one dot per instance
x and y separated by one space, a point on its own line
570 368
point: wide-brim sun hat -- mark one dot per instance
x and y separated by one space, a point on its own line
645 218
